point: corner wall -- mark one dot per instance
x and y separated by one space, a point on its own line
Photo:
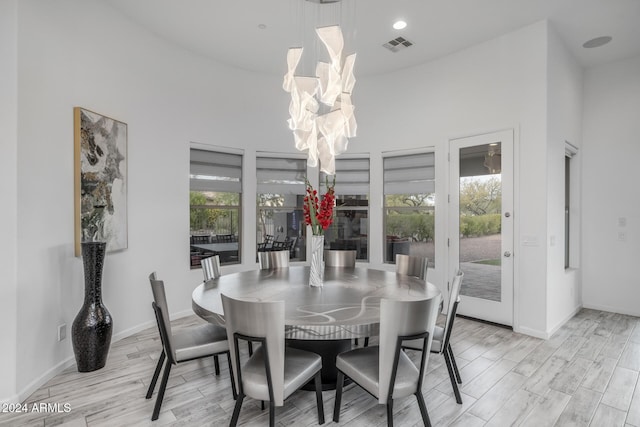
611 150
564 123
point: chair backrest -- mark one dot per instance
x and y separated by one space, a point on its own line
273 259
279 245
263 319
398 319
412 266
211 267
291 244
452 307
162 315
200 239
340 258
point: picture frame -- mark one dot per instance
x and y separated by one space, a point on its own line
100 180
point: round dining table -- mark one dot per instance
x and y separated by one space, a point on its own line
322 319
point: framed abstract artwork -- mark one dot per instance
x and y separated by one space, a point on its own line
100 188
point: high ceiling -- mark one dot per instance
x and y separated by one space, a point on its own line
255 34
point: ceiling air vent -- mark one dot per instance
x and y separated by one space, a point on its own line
397 44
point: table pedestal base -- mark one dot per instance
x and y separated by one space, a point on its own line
328 350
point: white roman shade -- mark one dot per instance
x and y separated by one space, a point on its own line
215 171
278 175
409 174
352 177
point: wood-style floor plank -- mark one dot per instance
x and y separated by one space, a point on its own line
586 374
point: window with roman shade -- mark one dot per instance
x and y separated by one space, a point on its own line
409 203
280 193
350 227
215 184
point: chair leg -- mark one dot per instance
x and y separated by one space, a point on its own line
455 365
163 386
423 409
366 341
390 413
454 383
250 345
233 380
272 414
355 341
236 410
156 374
216 364
319 401
338 399
262 405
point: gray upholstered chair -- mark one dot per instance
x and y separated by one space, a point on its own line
274 371
441 336
412 266
211 267
340 258
385 371
273 259
192 343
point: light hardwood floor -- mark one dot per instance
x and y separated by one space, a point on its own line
586 374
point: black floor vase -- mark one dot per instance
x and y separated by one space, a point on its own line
91 329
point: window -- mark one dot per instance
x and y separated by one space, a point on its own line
281 188
409 203
567 206
350 227
570 150
214 201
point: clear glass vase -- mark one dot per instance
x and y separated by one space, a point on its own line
316 273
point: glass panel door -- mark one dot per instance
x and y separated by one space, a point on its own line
481 239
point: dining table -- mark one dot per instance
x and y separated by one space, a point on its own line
321 319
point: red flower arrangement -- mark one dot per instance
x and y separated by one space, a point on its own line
318 213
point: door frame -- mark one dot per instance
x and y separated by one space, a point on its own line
485 309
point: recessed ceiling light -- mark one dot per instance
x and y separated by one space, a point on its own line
262 26
399 25
597 42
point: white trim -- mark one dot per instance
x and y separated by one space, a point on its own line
565 320
42 379
347 156
570 150
219 148
408 152
34 385
287 155
536 333
9 400
611 309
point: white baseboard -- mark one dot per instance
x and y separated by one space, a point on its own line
565 320
70 361
9 400
545 335
42 379
536 333
610 309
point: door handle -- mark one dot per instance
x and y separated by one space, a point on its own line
507 254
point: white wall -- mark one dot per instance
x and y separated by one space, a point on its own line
496 85
610 187
564 123
8 192
82 53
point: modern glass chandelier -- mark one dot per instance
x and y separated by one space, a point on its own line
321 110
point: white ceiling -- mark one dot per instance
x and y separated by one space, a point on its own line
228 31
